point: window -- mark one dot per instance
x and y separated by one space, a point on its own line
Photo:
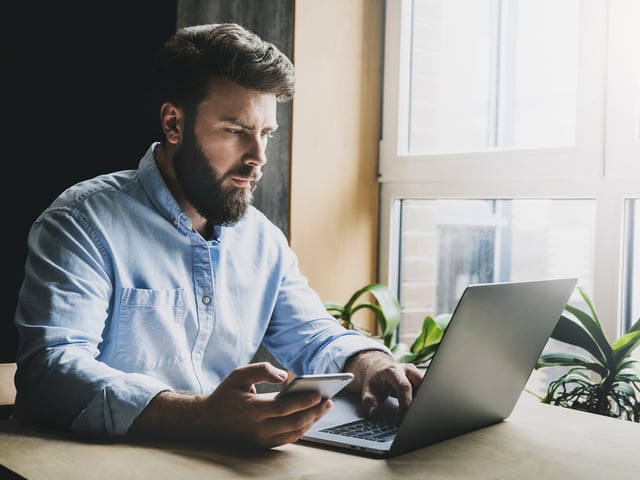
489 74
447 244
510 150
631 264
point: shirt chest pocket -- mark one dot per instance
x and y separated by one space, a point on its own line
151 330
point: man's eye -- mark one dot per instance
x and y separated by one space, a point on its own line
235 131
267 135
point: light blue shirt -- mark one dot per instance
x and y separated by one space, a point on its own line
123 299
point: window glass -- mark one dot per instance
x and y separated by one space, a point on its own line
492 73
447 244
631 264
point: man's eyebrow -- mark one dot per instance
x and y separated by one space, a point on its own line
241 124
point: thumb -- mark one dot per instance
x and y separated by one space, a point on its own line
264 372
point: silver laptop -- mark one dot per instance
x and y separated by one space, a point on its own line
495 336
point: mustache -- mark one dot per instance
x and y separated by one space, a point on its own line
247 172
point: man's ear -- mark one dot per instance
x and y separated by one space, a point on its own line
172 121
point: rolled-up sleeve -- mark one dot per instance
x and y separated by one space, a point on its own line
302 334
64 303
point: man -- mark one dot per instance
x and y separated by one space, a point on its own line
147 292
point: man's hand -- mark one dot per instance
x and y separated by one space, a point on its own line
378 375
233 414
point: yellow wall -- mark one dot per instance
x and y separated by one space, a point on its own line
335 128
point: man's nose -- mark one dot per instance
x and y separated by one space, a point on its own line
256 153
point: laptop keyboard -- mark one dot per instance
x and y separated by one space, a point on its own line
373 430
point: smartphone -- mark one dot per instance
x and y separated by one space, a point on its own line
326 384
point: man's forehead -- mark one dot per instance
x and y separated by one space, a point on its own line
230 102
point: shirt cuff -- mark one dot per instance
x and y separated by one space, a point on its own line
345 348
116 406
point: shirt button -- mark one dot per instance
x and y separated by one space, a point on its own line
206 300
197 355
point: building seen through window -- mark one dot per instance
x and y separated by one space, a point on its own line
447 244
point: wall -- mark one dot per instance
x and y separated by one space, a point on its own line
335 133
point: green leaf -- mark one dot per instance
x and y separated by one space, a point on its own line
579 376
335 311
625 387
385 307
556 359
568 331
628 378
593 325
425 354
333 306
390 308
429 334
356 295
627 362
635 327
387 311
569 360
626 344
379 314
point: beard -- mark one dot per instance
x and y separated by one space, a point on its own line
204 190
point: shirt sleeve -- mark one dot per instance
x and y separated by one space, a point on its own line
63 305
303 336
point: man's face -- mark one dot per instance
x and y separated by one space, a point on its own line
220 158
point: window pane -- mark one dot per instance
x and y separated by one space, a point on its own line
631 262
447 244
492 73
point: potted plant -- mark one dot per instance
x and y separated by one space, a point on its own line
426 344
604 379
386 308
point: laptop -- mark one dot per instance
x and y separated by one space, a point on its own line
485 358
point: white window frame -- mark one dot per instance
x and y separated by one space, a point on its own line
604 164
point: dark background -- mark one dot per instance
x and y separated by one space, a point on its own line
72 79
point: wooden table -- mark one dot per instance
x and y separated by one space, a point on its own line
536 441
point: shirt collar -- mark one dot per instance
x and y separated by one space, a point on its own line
157 190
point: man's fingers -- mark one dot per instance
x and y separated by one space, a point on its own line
399 382
415 375
369 401
286 429
295 403
264 372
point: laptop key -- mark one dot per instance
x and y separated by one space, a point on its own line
376 431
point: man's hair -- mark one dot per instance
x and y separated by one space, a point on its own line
195 55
